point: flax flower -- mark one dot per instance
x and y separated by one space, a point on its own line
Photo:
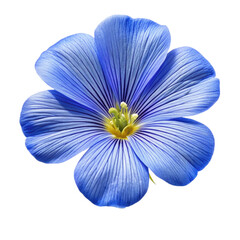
122 96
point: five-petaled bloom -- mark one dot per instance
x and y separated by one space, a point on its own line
123 97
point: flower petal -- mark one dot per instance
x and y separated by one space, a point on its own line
58 128
72 68
174 150
184 85
110 174
130 52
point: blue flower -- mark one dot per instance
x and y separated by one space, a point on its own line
123 97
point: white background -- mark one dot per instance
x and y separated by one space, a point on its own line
41 201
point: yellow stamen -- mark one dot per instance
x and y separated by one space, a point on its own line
122 123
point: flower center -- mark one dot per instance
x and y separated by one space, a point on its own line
122 122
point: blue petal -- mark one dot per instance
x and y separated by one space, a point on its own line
58 128
72 68
130 52
184 85
174 150
110 174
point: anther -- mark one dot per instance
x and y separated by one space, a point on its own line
123 105
134 117
113 111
